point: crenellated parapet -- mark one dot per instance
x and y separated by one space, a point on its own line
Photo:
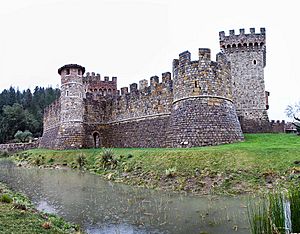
235 43
151 87
104 87
202 77
148 98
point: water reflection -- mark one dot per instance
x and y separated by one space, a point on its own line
104 207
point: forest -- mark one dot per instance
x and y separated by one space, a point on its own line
23 111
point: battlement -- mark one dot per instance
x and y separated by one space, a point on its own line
94 84
204 60
242 41
154 88
202 77
93 77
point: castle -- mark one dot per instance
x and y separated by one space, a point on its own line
202 103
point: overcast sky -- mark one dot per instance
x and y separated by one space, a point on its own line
135 40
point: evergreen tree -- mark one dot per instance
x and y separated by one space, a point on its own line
20 111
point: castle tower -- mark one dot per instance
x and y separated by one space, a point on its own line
71 130
247 55
203 112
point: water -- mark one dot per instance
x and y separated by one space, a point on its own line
101 206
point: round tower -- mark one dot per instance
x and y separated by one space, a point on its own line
71 130
247 55
203 112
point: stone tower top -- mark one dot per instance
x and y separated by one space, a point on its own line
71 66
236 43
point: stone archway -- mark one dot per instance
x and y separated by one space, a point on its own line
97 141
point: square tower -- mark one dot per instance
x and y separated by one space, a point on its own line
247 56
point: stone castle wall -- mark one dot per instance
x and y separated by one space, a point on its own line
51 124
15 147
206 103
136 118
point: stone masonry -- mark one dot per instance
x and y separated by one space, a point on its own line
202 103
247 56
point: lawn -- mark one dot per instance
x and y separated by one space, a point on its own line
262 161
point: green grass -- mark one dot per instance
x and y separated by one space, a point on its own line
260 161
17 215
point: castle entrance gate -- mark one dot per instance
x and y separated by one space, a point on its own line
97 142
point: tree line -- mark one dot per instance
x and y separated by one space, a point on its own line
23 110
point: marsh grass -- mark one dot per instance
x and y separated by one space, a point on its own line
294 198
266 214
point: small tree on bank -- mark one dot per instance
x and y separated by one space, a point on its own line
23 136
293 111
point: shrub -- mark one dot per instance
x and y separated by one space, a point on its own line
107 158
81 160
171 172
6 198
51 160
4 154
38 161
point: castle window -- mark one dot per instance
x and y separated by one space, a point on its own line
67 93
234 46
228 46
196 84
245 45
109 91
261 44
255 44
79 72
239 45
254 62
68 71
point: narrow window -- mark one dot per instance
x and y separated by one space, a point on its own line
196 84
68 71
254 62
79 72
67 93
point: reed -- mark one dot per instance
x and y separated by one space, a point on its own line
294 199
276 211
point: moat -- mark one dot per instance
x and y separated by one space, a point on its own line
103 207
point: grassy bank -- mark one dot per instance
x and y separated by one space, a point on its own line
261 162
17 215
